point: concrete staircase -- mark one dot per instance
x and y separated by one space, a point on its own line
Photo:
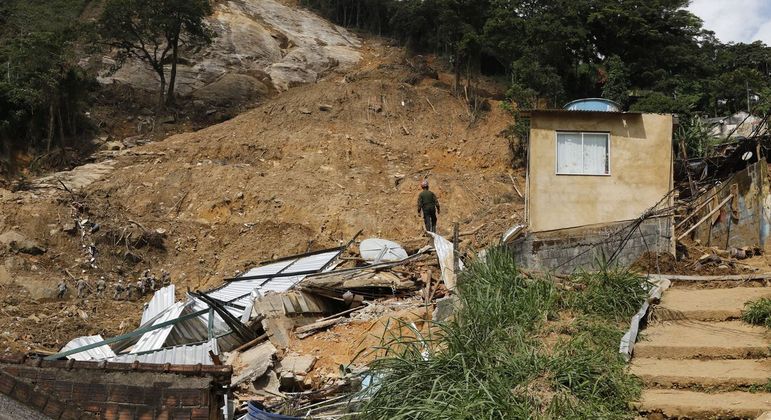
699 361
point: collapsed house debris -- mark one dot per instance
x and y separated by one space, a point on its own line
251 322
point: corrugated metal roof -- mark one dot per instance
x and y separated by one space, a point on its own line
162 300
155 339
179 355
239 291
97 353
570 111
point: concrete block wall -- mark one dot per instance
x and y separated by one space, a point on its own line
75 390
567 250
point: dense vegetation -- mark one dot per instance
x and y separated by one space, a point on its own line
43 92
517 347
651 55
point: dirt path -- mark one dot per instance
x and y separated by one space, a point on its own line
698 361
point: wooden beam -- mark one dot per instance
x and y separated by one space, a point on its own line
703 219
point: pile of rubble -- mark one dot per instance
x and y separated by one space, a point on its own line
261 321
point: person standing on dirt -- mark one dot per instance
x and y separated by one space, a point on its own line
100 286
119 289
61 289
428 205
81 287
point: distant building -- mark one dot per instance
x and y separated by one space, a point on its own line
740 124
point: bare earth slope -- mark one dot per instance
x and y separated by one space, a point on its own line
307 169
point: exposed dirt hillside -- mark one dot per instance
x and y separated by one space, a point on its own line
307 169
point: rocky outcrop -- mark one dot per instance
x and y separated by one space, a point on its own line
260 45
16 242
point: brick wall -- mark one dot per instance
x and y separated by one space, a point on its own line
566 250
73 390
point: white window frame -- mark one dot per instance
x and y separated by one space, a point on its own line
580 133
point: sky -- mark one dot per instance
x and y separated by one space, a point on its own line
736 20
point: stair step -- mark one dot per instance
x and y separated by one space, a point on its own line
713 374
707 304
700 405
705 340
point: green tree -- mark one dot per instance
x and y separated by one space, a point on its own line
616 87
152 31
43 91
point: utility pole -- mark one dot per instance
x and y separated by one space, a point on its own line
749 108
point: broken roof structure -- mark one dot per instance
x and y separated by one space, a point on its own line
203 324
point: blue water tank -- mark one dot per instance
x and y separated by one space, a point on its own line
593 104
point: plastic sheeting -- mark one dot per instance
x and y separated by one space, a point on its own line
445 253
97 353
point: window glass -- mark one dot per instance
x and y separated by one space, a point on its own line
583 153
595 154
569 153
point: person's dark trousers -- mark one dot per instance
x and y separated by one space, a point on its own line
429 218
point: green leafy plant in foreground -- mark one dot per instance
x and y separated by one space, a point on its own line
758 312
493 359
610 292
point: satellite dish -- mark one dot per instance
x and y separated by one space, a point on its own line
375 250
747 156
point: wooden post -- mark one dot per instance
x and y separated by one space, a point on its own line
455 252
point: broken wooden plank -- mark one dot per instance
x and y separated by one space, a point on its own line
310 329
340 314
251 344
703 219
740 277
693 213
514 183
473 231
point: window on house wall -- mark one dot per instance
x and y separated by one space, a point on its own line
583 153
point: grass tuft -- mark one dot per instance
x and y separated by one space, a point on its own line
611 292
758 312
492 360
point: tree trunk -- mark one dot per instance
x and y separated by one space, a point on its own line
61 125
173 77
162 95
50 138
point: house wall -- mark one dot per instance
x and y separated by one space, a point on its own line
581 248
743 221
74 390
640 170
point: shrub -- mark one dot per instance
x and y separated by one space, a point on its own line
758 312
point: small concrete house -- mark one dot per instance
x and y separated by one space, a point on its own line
592 172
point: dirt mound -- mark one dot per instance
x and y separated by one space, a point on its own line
305 170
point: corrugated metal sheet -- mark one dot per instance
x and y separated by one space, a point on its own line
162 300
240 291
156 339
97 353
180 355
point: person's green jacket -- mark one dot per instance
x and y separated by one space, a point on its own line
427 202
